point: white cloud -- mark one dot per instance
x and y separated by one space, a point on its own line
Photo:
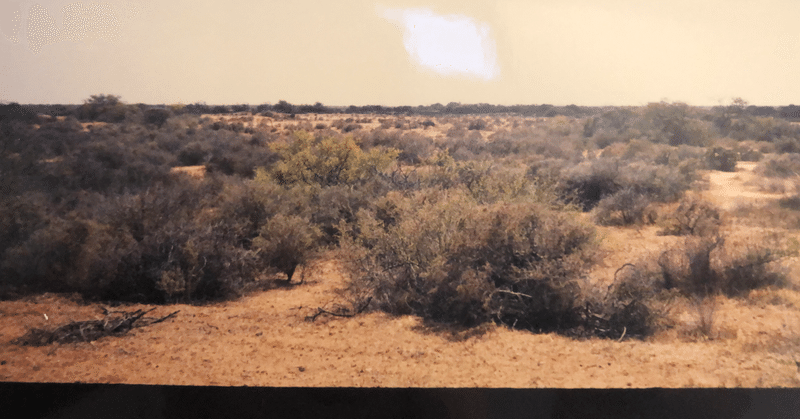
448 45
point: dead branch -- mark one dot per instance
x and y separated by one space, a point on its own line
344 313
90 330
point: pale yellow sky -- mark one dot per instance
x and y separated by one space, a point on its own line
614 52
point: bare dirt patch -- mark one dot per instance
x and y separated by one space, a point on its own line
264 340
195 172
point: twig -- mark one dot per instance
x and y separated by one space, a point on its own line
624 329
321 311
168 316
519 294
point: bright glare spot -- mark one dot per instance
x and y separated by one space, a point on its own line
448 45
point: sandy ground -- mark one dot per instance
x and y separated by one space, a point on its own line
264 339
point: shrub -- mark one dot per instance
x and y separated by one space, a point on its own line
721 159
156 116
624 207
674 124
16 112
693 217
634 305
185 241
783 166
691 269
688 268
439 255
478 124
287 241
327 161
193 154
106 108
67 255
588 183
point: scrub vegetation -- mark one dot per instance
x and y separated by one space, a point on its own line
462 215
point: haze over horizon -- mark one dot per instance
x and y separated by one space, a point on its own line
400 52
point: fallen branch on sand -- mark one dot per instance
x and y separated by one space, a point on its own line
342 312
89 330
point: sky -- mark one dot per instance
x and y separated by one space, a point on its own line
393 53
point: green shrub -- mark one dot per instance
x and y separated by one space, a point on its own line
327 161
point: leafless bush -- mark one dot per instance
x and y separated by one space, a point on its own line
704 266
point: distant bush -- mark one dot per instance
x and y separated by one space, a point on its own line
624 207
327 161
721 159
193 154
478 124
749 154
783 166
635 304
693 217
105 108
414 148
16 112
675 125
156 116
589 182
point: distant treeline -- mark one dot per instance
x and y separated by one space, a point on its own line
86 110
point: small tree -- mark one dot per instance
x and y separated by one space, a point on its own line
105 108
328 161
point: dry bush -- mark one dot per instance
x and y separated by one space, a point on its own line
440 255
477 124
693 217
635 304
286 242
464 148
791 202
783 166
186 241
624 207
721 159
704 266
589 182
414 148
705 326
